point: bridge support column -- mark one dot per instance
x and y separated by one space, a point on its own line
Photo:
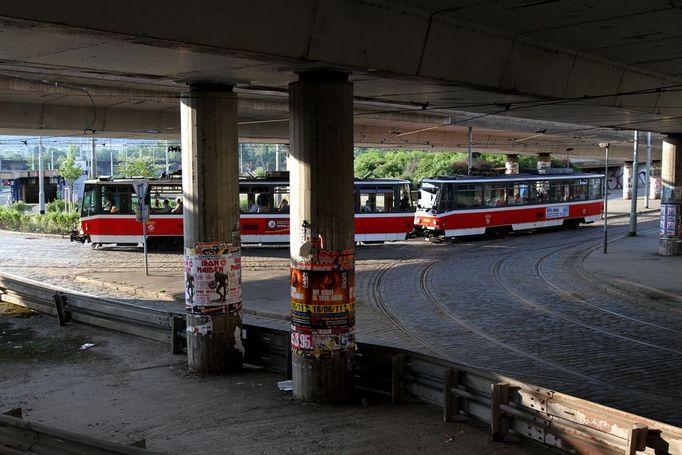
512 164
655 180
627 180
544 161
671 197
210 181
322 237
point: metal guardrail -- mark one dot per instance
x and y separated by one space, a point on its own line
542 415
18 436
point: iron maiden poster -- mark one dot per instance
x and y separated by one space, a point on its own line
213 282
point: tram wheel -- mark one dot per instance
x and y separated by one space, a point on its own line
571 224
498 231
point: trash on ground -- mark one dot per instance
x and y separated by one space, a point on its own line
286 386
87 346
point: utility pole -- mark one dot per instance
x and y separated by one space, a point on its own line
41 178
470 140
635 181
648 170
605 146
167 166
93 161
241 167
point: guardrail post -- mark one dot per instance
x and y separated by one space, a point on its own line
178 336
637 439
450 400
62 304
398 378
498 422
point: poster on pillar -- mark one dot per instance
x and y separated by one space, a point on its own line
671 217
323 303
213 278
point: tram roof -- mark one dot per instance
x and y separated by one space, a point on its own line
509 177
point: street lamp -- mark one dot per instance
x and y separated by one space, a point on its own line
605 146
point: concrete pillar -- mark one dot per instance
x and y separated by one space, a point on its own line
655 180
322 237
671 197
627 180
544 161
211 228
512 164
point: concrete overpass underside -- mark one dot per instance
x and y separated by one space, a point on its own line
422 75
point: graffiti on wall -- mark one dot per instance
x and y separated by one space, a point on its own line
615 178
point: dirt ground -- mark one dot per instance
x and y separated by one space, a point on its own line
124 389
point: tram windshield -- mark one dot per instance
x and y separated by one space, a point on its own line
428 195
109 199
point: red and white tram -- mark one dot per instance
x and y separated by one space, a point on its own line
472 205
384 210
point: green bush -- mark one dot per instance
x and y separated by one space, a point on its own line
52 222
20 207
58 205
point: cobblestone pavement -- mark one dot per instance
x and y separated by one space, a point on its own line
521 306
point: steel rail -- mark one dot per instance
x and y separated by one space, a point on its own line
535 413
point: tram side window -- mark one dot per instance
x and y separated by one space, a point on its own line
405 203
384 199
495 195
468 196
559 191
263 199
117 199
579 190
281 199
368 200
596 189
247 200
89 206
165 199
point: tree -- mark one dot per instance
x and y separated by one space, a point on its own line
142 166
70 172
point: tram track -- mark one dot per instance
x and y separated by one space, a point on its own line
584 369
651 355
502 282
444 311
575 297
394 319
473 328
